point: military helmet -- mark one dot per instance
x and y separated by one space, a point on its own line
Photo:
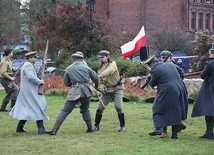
103 53
165 53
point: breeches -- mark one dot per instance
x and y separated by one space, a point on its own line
70 105
11 91
116 97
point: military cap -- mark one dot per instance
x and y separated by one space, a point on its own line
165 53
77 55
103 53
150 60
212 48
31 54
79 52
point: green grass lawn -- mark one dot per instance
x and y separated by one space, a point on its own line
72 138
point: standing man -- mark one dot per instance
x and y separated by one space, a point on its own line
171 95
7 80
112 88
30 105
77 76
204 104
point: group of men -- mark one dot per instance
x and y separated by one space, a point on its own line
30 105
169 108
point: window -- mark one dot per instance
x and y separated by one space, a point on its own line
208 1
193 20
200 21
201 1
207 22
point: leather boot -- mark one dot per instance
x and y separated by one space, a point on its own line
12 103
157 131
164 133
98 118
89 126
55 128
41 128
20 126
175 131
122 122
209 125
3 107
182 126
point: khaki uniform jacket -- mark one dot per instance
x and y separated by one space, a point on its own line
6 69
109 76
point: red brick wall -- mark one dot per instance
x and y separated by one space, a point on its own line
130 15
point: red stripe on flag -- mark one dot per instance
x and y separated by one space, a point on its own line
141 42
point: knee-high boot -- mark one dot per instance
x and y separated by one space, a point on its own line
20 126
55 128
13 102
98 118
175 131
122 122
89 126
41 128
209 124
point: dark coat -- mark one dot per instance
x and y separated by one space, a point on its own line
171 103
204 104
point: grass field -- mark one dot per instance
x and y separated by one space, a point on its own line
72 139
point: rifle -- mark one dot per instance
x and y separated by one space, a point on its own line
42 76
149 77
10 85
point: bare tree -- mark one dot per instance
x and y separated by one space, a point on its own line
172 39
10 21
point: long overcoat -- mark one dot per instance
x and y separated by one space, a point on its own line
171 103
204 104
29 104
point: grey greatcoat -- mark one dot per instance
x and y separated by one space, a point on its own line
29 104
204 104
171 103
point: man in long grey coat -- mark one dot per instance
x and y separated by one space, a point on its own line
77 76
29 104
171 95
204 104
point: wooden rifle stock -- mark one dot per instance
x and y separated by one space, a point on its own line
42 70
10 85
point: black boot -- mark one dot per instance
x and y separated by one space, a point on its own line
12 103
41 128
3 107
55 128
98 118
122 122
89 126
209 125
175 131
20 126
182 126
157 131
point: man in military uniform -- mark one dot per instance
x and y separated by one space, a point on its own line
111 87
169 105
7 80
204 104
77 76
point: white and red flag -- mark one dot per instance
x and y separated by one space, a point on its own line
133 46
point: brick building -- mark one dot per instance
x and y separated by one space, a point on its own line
130 15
